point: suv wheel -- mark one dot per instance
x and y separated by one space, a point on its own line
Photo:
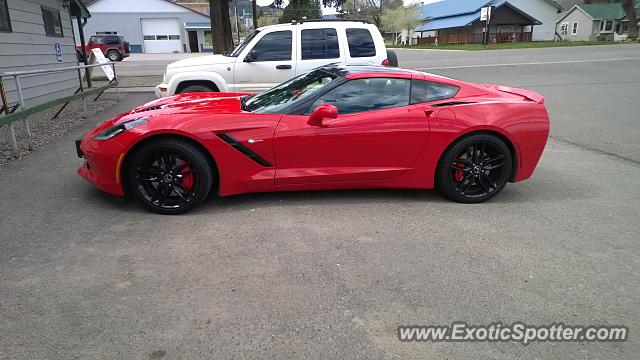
113 55
196 88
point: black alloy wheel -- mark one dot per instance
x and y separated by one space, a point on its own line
170 176
474 169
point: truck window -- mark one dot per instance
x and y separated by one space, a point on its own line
320 44
360 43
275 46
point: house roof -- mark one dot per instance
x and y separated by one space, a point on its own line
604 11
461 20
446 8
599 11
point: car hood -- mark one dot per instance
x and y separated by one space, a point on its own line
193 102
202 60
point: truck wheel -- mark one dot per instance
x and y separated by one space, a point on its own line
196 88
393 58
113 55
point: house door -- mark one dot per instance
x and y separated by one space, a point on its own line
193 42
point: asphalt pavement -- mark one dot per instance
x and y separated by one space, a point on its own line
331 275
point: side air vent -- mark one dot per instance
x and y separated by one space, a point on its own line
149 108
243 149
451 103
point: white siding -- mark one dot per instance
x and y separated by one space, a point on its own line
27 47
543 11
124 16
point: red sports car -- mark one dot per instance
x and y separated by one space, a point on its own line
335 127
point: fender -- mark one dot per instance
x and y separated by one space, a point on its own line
198 75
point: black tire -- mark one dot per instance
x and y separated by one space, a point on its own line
113 56
393 58
474 169
157 175
195 88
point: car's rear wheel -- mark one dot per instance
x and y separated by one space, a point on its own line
196 88
393 58
169 176
474 169
113 55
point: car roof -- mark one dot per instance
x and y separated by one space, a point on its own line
321 23
365 70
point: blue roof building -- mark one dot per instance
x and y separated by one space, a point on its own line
458 21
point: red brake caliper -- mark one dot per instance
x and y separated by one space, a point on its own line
458 175
187 178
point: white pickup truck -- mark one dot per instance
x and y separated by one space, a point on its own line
273 54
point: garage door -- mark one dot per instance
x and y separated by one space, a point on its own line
161 35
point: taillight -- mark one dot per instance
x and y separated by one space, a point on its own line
385 62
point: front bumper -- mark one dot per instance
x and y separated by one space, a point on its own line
162 90
101 163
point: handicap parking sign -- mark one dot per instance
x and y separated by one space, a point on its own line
58 49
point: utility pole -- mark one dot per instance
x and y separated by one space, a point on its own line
235 12
254 12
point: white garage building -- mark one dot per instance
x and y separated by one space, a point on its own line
150 26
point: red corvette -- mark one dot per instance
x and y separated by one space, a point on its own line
335 127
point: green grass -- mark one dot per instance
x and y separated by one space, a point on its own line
509 45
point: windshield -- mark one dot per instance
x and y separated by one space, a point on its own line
243 44
274 99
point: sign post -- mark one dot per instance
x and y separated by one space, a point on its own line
485 15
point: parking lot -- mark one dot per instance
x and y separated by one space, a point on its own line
331 275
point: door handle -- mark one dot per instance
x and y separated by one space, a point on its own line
283 67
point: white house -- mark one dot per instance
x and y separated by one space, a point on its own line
546 11
37 35
151 26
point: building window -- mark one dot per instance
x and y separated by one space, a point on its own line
564 28
208 40
149 37
606 26
52 22
574 29
174 37
5 20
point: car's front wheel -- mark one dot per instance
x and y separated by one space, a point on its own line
169 176
474 169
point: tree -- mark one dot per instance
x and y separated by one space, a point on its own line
400 19
370 10
629 8
297 9
221 32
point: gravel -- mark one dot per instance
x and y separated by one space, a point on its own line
44 129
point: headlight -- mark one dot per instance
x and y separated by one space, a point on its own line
116 130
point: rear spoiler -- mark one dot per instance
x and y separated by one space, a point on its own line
529 95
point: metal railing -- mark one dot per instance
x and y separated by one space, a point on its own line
21 111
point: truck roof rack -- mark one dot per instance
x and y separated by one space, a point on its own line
295 22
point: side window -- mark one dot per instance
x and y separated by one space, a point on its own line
275 46
360 43
97 40
112 40
425 91
52 21
367 94
320 44
5 20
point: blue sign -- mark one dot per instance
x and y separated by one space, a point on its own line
58 51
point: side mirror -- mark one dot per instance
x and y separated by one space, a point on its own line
324 111
251 56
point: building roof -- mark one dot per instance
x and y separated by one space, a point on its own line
447 8
600 11
466 19
604 11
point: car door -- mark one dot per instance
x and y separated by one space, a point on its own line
377 135
317 47
267 63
